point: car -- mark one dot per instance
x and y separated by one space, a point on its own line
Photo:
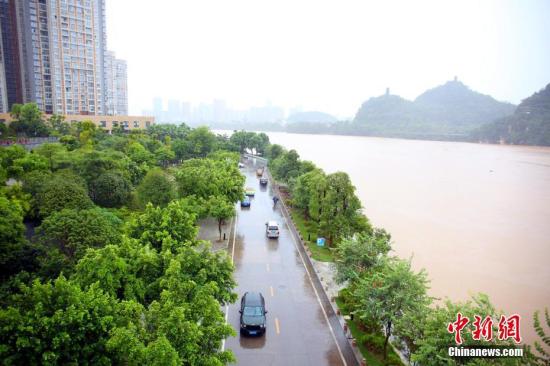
253 313
249 191
272 229
245 202
263 181
241 165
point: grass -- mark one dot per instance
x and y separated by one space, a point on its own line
308 229
370 355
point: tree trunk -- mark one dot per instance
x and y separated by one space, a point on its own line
220 227
388 333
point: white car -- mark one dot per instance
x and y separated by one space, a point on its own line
272 229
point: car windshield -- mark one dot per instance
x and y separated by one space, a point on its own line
253 311
273 228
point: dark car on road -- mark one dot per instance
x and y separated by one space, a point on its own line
263 181
245 202
253 314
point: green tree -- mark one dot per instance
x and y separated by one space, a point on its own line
385 294
244 140
157 188
340 212
58 125
206 177
57 323
138 153
286 166
220 209
67 234
127 271
28 120
9 154
110 189
70 142
308 191
156 224
273 151
543 357
63 190
27 164
199 143
15 254
164 155
49 151
358 255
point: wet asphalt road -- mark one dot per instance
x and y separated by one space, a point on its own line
297 332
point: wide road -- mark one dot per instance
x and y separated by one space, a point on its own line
297 329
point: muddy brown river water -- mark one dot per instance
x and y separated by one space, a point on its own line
476 217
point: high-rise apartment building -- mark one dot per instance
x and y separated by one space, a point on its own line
11 79
3 90
61 54
116 85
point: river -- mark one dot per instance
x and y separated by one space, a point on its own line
476 217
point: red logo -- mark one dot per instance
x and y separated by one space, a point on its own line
508 327
457 327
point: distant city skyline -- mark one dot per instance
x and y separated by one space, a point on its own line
327 56
218 111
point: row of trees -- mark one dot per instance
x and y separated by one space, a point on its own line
114 272
384 294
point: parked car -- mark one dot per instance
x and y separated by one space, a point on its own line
241 165
245 202
260 172
249 191
253 314
272 229
263 181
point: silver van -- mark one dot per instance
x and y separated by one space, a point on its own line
272 229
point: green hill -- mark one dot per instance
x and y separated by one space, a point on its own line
449 111
529 125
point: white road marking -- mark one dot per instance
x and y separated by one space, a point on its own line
232 256
271 290
277 329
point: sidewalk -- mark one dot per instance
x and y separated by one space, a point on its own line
208 230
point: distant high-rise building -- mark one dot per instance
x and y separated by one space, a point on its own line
116 85
57 56
173 113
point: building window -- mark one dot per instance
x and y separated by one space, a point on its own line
136 124
147 124
103 124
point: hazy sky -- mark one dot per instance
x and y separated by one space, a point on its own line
327 55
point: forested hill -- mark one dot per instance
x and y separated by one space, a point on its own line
455 103
449 111
529 125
